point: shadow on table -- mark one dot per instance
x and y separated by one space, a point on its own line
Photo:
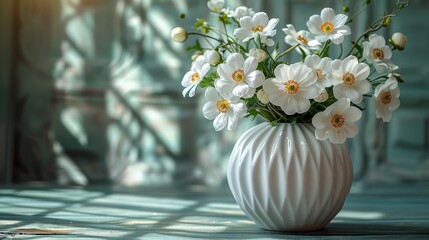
146 213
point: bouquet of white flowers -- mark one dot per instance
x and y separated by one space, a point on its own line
243 70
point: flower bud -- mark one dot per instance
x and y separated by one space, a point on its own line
179 34
196 55
262 96
322 97
259 54
216 5
387 21
399 40
345 9
242 11
212 57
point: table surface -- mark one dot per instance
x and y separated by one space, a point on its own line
106 212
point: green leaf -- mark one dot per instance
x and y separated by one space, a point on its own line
208 80
196 47
304 55
199 23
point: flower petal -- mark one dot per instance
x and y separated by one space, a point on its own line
220 121
337 38
354 96
312 61
328 14
235 61
352 114
246 22
260 18
243 34
249 93
250 65
255 79
314 24
192 90
341 105
186 90
211 94
350 130
240 90
340 20
210 111
363 86
232 122
186 81
271 25
320 120
337 136
224 71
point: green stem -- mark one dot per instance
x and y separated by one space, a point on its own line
325 48
286 52
357 14
375 26
205 35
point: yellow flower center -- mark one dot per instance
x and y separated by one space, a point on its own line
319 73
327 27
222 105
386 98
378 53
349 78
337 121
258 28
195 77
238 75
291 87
302 39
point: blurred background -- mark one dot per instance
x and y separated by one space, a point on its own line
91 94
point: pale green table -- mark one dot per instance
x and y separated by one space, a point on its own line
38 212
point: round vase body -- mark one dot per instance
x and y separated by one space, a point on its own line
285 179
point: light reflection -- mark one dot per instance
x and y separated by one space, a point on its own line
360 215
86 217
226 209
150 202
71 195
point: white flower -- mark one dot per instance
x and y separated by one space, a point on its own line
256 27
239 76
322 97
292 87
196 55
386 99
223 109
242 11
212 57
215 5
259 54
349 79
192 78
399 40
262 96
322 67
337 122
178 34
378 53
304 38
328 26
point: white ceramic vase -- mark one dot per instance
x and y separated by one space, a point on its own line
285 179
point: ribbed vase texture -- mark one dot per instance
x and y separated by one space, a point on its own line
285 179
